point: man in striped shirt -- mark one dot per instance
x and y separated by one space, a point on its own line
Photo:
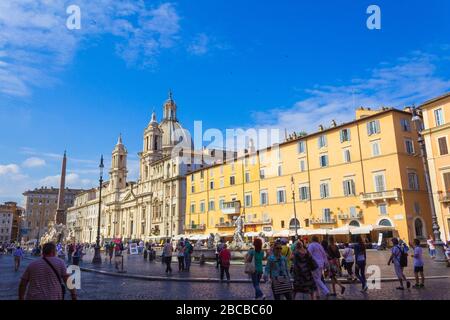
40 281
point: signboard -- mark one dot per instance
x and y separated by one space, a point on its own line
133 248
380 238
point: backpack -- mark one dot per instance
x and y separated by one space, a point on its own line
403 258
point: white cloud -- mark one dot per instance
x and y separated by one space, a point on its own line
33 162
9 169
199 45
33 34
410 80
73 180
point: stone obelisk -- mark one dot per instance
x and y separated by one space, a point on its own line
61 211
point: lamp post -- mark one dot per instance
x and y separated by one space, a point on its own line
97 258
439 245
90 235
295 210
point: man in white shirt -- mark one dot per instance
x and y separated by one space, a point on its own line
319 255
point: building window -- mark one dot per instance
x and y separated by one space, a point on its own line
406 125
264 198
303 193
281 196
302 166
409 146
446 177
376 148
323 160
202 206
192 207
192 177
326 213
280 171
439 117
211 205
294 224
211 173
202 175
382 208
380 185
324 190
262 174
247 177
322 141
221 203
353 213
211 185
232 180
301 147
282 224
347 156
443 149
221 182
192 189
349 187
373 127
345 135
248 200
385 223
413 181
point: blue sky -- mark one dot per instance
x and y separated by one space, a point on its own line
230 64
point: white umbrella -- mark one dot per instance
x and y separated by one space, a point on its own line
194 237
203 237
282 234
251 234
341 230
313 232
268 233
361 229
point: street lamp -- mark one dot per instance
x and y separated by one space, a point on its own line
439 245
97 258
295 210
90 235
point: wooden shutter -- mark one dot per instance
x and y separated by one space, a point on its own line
443 149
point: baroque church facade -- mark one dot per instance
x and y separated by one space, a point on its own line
153 206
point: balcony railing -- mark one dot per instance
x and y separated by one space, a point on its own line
323 221
381 196
350 216
233 207
225 225
258 222
444 197
194 227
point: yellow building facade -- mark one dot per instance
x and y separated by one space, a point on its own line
436 133
366 174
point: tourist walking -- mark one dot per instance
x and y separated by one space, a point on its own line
70 251
304 265
418 264
188 249
18 255
400 260
219 247
319 255
111 250
225 258
167 252
44 278
431 247
180 255
361 261
277 270
334 270
256 256
348 261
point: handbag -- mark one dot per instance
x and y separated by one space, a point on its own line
249 267
63 287
281 285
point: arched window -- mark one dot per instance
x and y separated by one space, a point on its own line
385 223
418 226
294 223
354 223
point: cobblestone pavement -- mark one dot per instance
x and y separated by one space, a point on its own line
97 286
135 264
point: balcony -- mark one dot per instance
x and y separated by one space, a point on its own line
258 222
195 227
350 216
227 224
233 207
444 197
382 196
323 221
